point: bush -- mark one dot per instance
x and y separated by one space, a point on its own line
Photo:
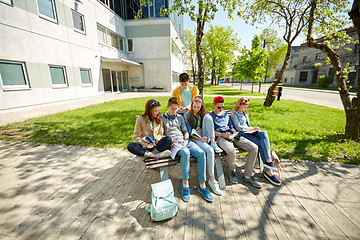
325 80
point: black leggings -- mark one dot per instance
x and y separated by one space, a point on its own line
139 150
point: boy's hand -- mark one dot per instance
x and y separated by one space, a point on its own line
226 135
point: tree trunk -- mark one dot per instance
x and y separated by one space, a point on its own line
213 73
352 120
269 97
252 86
355 118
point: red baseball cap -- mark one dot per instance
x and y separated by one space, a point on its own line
219 99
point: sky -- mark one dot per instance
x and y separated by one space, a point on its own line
245 32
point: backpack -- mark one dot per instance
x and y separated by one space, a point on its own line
163 203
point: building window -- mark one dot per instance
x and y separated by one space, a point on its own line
130 45
85 77
13 75
304 59
101 34
121 41
331 72
285 80
9 2
47 9
303 76
317 57
175 77
114 40
58 76
78 21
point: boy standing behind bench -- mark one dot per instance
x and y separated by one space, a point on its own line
174 126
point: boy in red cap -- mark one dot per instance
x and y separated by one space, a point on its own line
223 129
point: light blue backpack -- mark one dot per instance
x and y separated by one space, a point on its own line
163 203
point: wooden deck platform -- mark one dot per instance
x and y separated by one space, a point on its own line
61 192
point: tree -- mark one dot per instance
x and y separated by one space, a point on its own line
219 46
276 49
250 63
189 52
201 12
326 17
355 17
291 15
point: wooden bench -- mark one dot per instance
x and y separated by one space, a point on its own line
277 92
163 164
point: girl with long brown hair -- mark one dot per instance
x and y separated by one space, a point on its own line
200 127
149 141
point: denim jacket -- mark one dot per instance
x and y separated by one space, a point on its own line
240 120
190 127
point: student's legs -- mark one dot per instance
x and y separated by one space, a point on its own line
264 144
136 148
164 144
208 128
252 150
199 154
229 148
184 154
255 140
210 156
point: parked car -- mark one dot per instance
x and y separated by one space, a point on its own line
227 80
222 81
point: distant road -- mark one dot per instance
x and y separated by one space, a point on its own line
319 97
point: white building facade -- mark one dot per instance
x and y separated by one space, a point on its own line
59 50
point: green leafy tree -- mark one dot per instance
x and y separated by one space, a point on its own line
189 51
250 63
219 46
327 18
291 15
276 49
201 12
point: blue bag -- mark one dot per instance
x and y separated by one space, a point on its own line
163 203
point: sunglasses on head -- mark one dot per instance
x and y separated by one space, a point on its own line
221 107
155 103
245 101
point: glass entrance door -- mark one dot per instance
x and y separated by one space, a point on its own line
125 83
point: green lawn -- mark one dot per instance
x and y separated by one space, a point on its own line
297 130
226 90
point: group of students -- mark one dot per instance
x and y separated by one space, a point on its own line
214 132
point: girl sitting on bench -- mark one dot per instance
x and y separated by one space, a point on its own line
149 141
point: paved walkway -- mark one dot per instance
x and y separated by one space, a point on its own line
67 192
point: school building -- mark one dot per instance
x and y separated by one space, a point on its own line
60 50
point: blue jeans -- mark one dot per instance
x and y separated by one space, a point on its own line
208 128
199 154
210 156
261 139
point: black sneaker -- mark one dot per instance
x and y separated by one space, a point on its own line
252 181
233 178
269 166
272 179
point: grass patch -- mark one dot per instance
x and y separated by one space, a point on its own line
226 90
297 130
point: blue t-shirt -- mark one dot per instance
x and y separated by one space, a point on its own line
186 96
222 123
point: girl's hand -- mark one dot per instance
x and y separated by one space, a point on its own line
203 139
227 134
185 143
174 143
256 128
149 145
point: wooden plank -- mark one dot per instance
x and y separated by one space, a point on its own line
334 211
98 227
220 173
93 210
304 192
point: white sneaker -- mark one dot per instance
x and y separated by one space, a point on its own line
215 187
216 147
164 154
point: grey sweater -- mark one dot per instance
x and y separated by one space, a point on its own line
174 128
